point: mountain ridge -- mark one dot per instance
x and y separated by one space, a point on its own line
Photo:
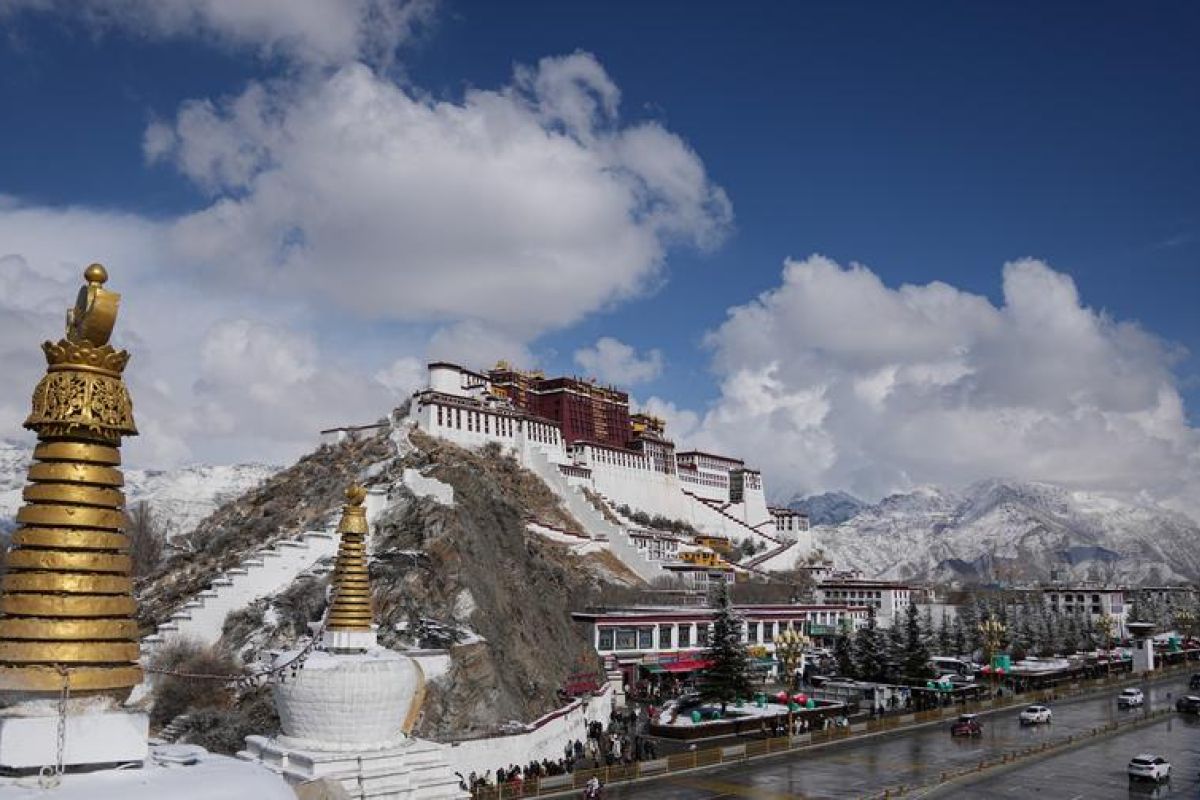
1003 530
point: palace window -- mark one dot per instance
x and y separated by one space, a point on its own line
645 638
666 636
626 638
685 636
606 639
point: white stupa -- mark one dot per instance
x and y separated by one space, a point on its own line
348 712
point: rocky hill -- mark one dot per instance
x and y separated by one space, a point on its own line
179 498
466 576
1007 531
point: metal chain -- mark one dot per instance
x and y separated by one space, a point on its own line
251 680
49 777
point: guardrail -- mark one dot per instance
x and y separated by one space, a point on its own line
761 748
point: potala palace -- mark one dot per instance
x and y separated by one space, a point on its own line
608 465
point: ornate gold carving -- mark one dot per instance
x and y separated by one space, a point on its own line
78 494
67 597
85 561
85 452
68 538
39 679
89 474
67 652
71 516
351 608
67 582
68 630
45 605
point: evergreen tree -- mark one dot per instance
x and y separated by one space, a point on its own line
945 637
928 631
968 626
1025 638
843 654
870 651
914 664
895 651
958 636
728 674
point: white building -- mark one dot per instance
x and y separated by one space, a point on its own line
712 493
1093 602
650 639
789 524
890 599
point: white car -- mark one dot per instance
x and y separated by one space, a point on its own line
1128 698
1149 767
1034 715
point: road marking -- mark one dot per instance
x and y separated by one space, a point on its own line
735 789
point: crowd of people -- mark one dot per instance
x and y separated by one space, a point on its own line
617 743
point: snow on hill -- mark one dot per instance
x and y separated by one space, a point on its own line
179 498
1008 530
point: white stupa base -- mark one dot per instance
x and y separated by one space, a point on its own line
112 737
349 641
174 772
414 770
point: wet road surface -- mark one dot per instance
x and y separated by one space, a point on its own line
850 770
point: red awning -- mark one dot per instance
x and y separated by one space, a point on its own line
686 665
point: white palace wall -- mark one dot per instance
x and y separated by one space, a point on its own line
543 738
622 477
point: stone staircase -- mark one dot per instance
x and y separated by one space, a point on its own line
172 730
264 573
727 519
594 523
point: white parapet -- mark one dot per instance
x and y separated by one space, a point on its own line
113 737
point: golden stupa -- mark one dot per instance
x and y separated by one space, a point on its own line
351 607
66 606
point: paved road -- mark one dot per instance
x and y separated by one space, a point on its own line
1097 771
862 768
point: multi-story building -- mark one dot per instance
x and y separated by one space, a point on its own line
890 599
672 638
789 524
1093 602
574 432
584 411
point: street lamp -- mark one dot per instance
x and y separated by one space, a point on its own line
992 631
790 645
1105 625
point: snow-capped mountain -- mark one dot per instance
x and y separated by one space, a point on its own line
830 508
1012 531
179 498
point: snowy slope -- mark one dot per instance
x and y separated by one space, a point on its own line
1009 530
180 498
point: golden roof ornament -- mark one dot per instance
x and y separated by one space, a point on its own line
66 601
351 609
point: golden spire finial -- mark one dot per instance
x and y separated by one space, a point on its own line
351 607
67 598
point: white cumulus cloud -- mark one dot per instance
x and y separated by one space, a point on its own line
835 380
522 208
318 32
615 362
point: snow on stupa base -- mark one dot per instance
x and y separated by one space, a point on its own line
98 731
413 770
171 771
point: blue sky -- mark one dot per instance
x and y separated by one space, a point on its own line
930 144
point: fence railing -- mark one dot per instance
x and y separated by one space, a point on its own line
760 748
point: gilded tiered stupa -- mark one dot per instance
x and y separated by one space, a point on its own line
67 604
347 714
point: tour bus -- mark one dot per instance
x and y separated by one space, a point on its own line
944 665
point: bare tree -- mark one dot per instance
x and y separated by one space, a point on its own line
146 538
